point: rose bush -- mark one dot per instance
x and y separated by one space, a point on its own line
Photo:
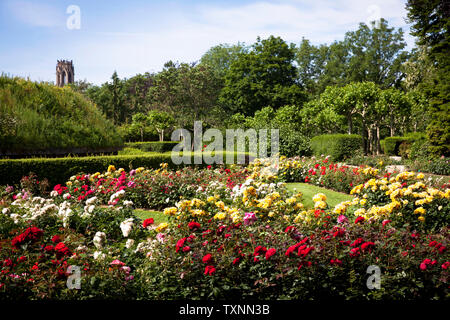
243 235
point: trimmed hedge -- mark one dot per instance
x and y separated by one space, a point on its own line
337 146
391 145
58 170
40 118
153 146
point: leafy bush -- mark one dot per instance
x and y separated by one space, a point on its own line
58 170
337 146
401 146
147 188
293 143
39 117
153 146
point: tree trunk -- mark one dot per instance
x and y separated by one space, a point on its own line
350 124
142 134
378 145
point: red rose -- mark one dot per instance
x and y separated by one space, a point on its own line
367 246
357 242
385 222
186 249
194 225
56 239
236 260
62 250
359 219
148 222
338 233
432 244
259 249
48 248
355 252
335 262
289 229
207 258
210 270
180 244
270 253
7 262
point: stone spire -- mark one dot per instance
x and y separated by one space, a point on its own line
64 72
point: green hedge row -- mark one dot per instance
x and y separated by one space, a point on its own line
337 146
391 145
153 146
58 170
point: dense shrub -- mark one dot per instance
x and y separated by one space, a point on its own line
337 146
293 143
148 188
129 133
58 170
39 117
402 146
153 146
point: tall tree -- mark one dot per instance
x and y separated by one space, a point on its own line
373 54
188 91
376 54
265 76
431 23
220 57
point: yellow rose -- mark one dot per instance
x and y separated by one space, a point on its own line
162 226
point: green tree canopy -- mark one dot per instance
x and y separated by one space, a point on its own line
264 76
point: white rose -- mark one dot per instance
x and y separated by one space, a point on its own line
99 239
126 226
129 244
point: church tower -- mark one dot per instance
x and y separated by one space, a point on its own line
64 73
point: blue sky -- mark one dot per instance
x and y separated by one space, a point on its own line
136 36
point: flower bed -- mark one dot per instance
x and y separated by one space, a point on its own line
240 237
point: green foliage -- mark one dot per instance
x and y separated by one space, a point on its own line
264 76
153 146
338 146
39 117
391 145
373 54
430 23
58 170
130 132
294 143
161 121
187 91
401 146
220 57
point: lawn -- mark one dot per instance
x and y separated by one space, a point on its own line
308 191
145 214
